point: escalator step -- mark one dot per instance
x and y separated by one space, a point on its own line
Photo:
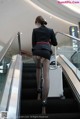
33 70
56 108
54 116
62 106
29 94
65 83
68 93
29 65
64 116
29 84
31 107
29 75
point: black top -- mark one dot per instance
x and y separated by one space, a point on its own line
43 34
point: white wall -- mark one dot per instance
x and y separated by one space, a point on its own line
18 15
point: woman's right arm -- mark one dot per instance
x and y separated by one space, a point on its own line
53 38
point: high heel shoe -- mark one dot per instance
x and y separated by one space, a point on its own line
44 102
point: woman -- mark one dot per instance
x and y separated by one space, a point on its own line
42 39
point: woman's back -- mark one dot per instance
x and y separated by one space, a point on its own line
43 34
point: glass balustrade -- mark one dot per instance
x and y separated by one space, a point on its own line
69 47
10 49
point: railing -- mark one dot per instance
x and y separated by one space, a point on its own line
13 108
13 47
70 48
67 35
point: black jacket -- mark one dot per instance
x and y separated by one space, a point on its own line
43 34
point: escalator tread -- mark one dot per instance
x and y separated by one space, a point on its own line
31 107
53 116
56 108
29 84
29 94
61 106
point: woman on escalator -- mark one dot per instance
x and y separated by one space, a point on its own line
42 39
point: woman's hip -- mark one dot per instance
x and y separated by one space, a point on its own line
42 53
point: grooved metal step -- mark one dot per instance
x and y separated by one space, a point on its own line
29 75
29 84
56 108
29 94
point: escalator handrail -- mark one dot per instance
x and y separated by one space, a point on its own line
14 103
7 46
75 53
70 36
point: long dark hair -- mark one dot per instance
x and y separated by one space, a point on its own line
40 20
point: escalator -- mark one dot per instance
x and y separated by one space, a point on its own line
21 95
56 108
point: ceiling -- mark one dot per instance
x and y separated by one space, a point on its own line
19 16
65 11
74 7
68 12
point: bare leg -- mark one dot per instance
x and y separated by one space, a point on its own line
46 79
38 73
37 59
45 62
45 83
